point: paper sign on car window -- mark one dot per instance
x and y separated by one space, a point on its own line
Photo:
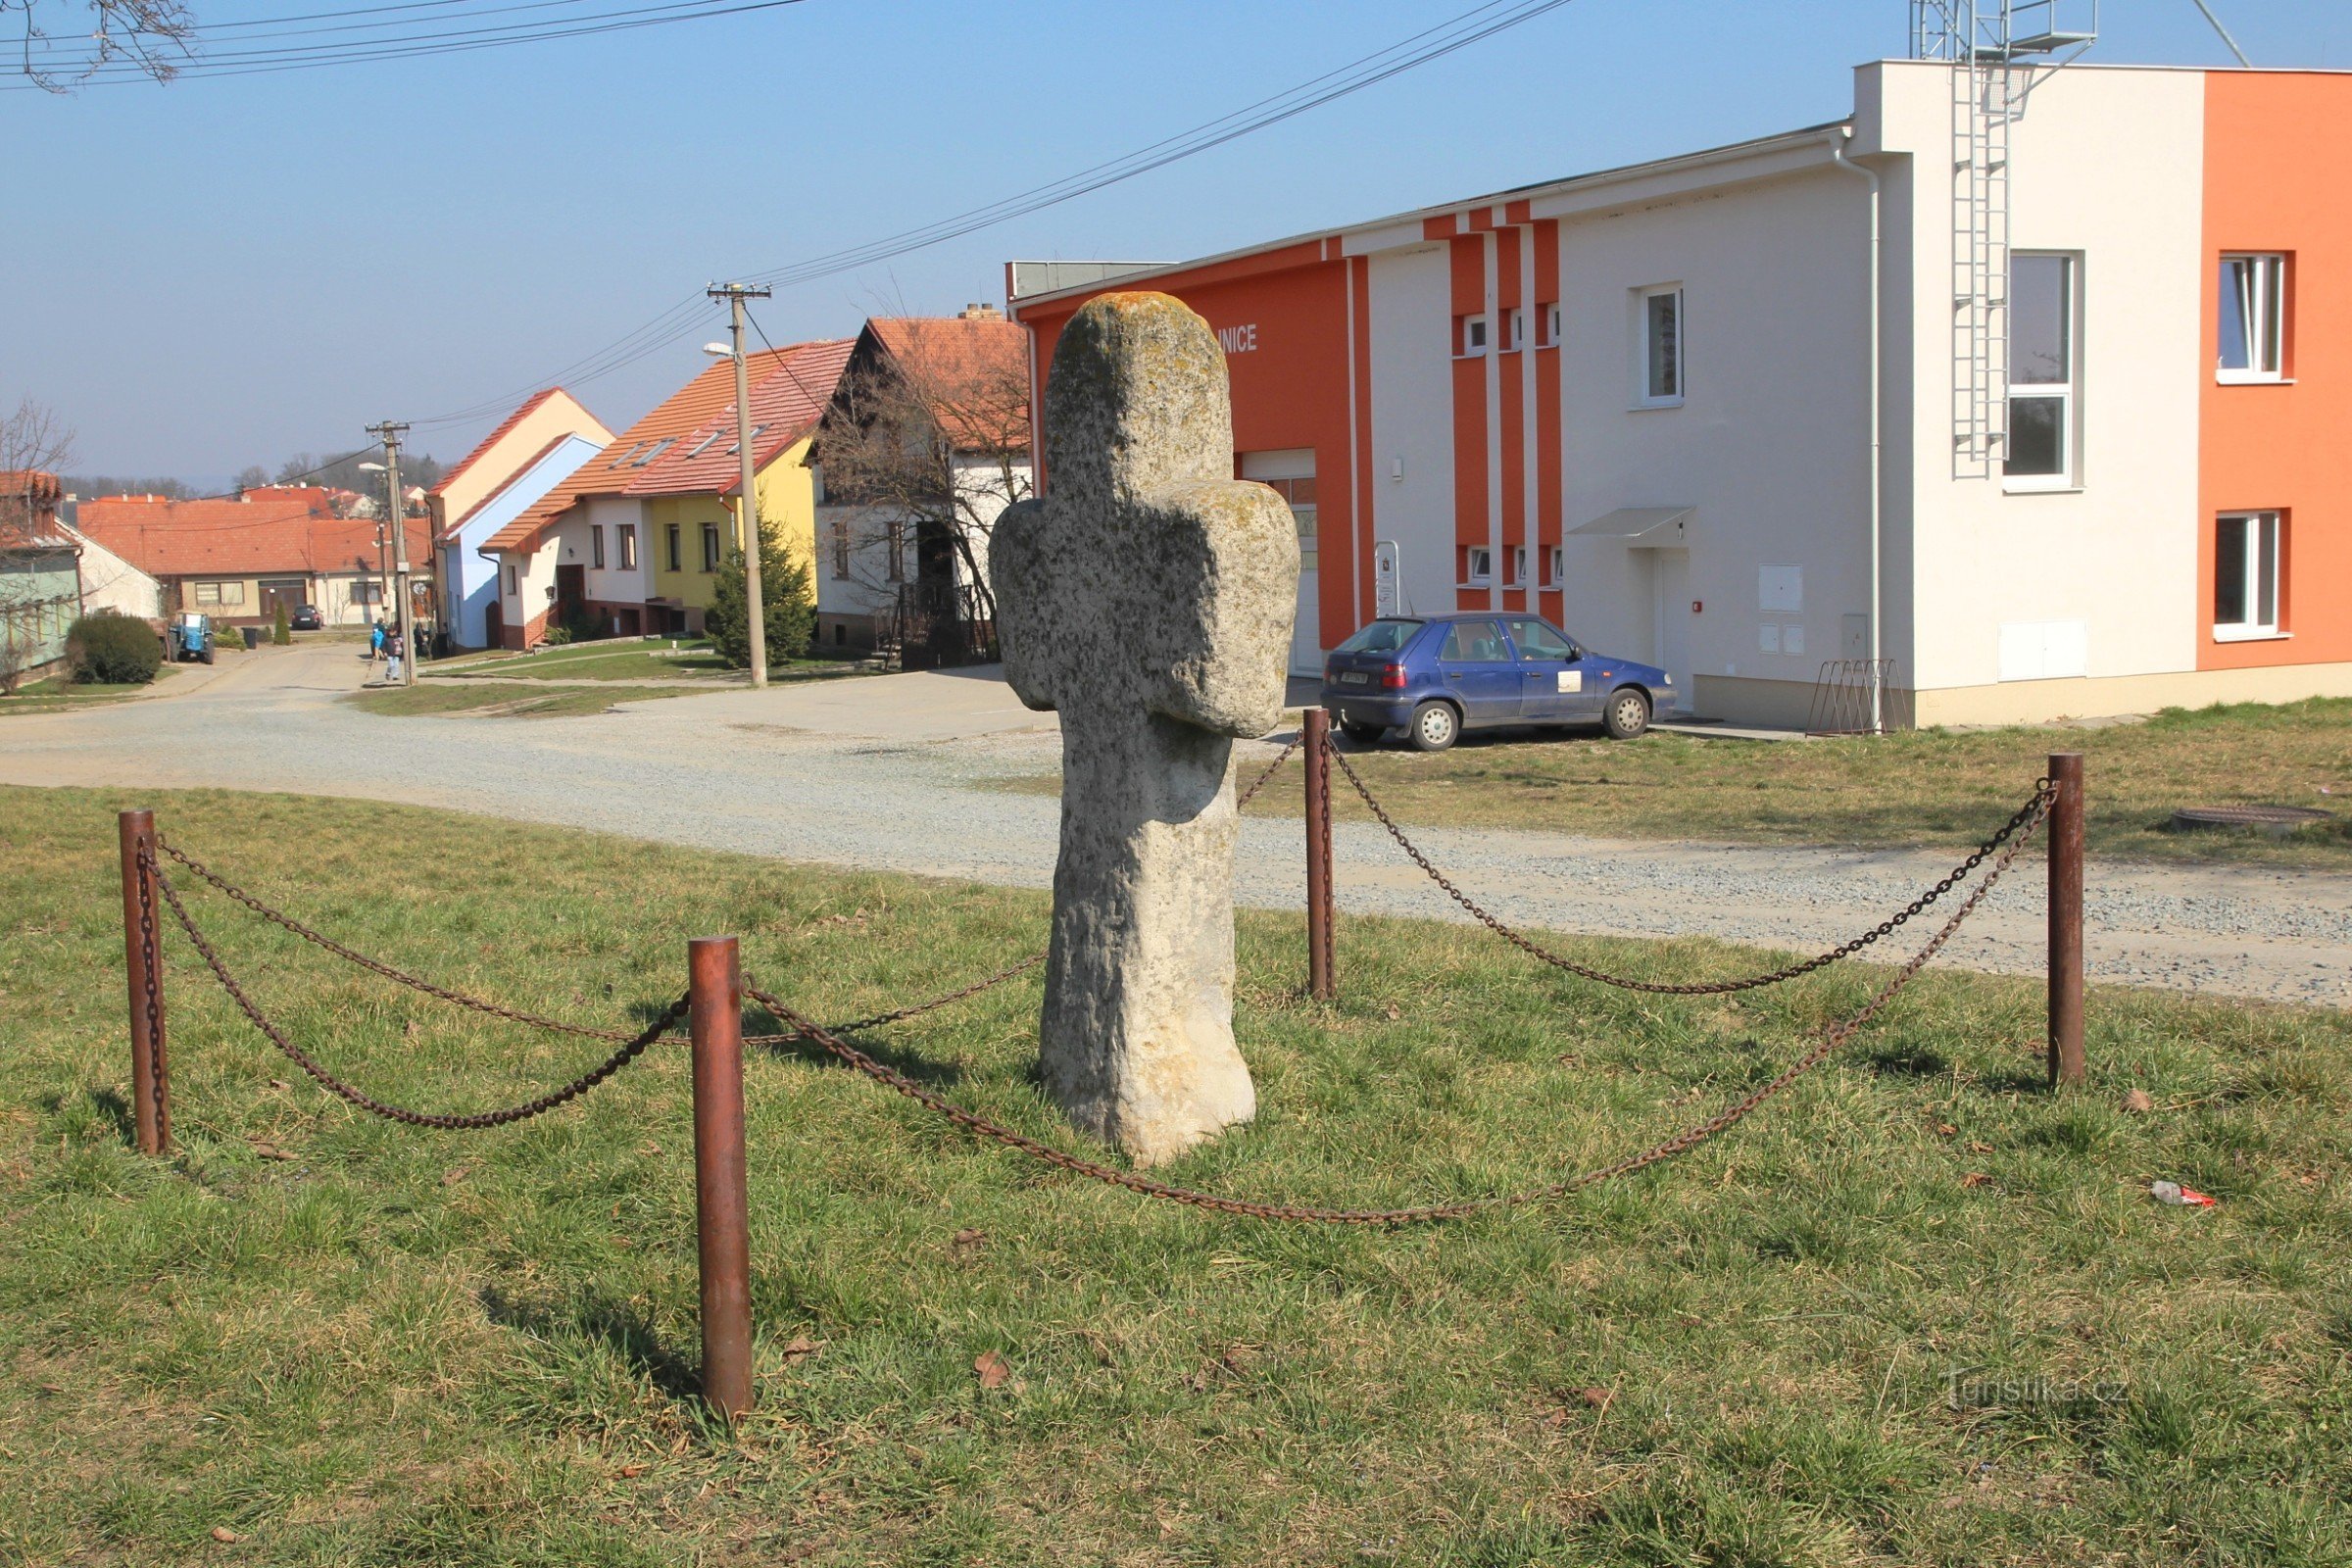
1572 680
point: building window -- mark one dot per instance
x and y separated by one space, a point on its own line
2253 346
628 545
710 547
841 550
367 591
1658 378
1515 325
220 592
898 551
734 447
596 546
1518 576
2040 453
623 460
1548 327
513 584
2246 560
1478 565
673 549
1558 567
1469 335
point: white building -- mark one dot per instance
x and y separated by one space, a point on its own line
2104 468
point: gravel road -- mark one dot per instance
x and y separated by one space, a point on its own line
896 772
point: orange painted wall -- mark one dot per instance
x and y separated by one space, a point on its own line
2277 149
1290 390
1468 261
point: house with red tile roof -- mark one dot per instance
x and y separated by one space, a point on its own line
926 442
631 541
238 560
40 580
535 448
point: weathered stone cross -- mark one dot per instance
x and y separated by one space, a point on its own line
1148 597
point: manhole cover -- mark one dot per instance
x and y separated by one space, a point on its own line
2269 819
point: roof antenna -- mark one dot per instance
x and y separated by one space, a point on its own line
2225 32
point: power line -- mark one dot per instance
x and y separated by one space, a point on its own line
1433 43
91 70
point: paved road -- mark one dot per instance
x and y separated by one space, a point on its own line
894 772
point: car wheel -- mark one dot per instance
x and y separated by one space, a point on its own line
1628 714
1361 734
1435 726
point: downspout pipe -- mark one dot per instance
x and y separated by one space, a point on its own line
1839 142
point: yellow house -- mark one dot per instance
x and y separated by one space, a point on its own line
689 493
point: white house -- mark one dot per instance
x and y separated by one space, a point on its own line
533 448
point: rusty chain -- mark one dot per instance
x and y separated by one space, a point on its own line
631 1048
150 986
1834 1037
2035 806
495 1010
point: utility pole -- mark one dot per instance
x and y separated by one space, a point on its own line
747 512
391 433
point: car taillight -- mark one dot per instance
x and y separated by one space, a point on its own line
1392 677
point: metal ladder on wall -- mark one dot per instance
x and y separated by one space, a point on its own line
1984 42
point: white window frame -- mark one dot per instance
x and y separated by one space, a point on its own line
1515 329
1478 566
2254 629
712 553
596 545
1518 560
1644 396
2068 392
1472 339
2263 294
1557 564
627 533
513 584
1547 325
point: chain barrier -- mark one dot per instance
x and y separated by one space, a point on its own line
1834 1037
2036 806
495 1010
159 1085
631 1046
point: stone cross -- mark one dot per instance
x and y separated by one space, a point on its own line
1148 598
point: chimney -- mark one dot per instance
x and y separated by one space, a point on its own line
981 313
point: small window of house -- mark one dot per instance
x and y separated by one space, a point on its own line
513 584
2042 328
656 449
1518 576
1558 565
1517 329
710 547
734 447
1659 378
596 546
672 548
623 460
841 549
628 546
895 565
366 592
1470 335
696 450
1478 565
1549 324
2253 317
2246 560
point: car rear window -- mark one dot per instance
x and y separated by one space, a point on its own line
1380 637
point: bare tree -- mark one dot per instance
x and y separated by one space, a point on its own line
150 34
33 438
933 446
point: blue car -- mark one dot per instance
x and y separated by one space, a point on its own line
1435 676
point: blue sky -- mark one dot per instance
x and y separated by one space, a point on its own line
194 282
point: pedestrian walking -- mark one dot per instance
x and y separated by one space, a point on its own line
375 641
394 649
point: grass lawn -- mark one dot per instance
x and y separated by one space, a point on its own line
55 694
346 1342
429 700
1926 788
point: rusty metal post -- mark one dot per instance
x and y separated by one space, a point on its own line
721 1202
2066 919
143 966
1322 977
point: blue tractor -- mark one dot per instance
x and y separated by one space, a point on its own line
190 637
